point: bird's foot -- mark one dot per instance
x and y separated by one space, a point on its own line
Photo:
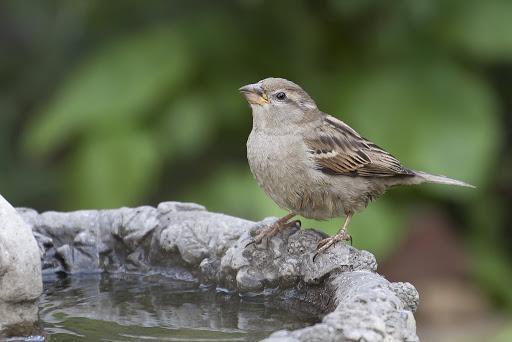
324 244
272 231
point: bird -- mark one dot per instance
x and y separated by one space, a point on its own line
314 165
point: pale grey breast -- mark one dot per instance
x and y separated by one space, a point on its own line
283 169
271 164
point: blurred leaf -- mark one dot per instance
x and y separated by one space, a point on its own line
119 82
504 334
493 273
481 28
186 127
111 170
352 8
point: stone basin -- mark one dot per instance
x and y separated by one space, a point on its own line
340 291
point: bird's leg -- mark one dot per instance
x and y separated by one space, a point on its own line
275 228
342 235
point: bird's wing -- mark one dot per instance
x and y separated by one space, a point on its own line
337 149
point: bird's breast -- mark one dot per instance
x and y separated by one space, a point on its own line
278 163
283 169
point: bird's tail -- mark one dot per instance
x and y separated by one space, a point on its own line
428 178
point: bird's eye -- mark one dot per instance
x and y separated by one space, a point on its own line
281 96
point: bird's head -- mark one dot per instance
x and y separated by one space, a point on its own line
277 102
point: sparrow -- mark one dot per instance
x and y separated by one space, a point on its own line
313 164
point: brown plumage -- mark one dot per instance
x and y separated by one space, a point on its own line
313 164
339 150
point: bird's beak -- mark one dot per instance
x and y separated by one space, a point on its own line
254 94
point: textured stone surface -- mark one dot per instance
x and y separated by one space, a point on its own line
186 241
132 239
20 271
367 310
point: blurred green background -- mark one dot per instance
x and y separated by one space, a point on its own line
123 103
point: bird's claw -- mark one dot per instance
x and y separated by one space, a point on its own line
250 243
265 233
331 241
272 231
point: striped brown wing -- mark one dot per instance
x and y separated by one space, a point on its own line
338 149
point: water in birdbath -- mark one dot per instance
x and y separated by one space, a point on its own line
156 308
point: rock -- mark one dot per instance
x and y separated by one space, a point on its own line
368 310
20 273
184 241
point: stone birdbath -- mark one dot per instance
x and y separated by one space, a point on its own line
184 239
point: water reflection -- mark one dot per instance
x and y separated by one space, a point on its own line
129 307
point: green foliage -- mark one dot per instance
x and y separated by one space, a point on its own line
100 110
481 28
114 86
495 275
504 334
184 129
117 168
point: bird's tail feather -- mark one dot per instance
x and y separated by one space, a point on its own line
426 177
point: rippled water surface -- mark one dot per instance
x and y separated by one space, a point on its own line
156 308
